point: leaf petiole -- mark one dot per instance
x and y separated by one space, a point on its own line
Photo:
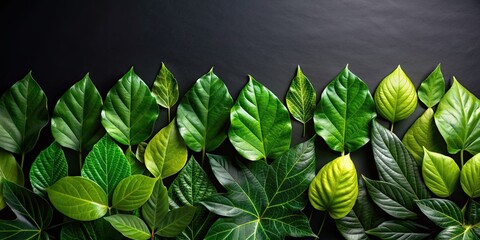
321 226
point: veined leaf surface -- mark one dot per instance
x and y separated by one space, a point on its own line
49 166
132 192
165 89
301 97
442 212
469 177
129 226
432 88
9 170
440 173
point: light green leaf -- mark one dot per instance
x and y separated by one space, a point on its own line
132 192
432 88
76 120
129 226
458 119
130 110
469 177
440 173
345 112
16 229
457 233
444 213
23 114
399 229
165 89
49 166
396 97
78 198
301 97
176 221
166 153
155 209
9 170
260 124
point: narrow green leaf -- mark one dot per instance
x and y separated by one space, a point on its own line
440 173
165 88
432 88
399 229
49 166
469 177
129 226
444 213
9 170
132 192
82 230
457 233
176 221
301 97
14 230
155 209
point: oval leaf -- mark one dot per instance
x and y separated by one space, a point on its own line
176 221
444 213
301 97
132 192
469 177
260 124
9 170
440 173
432 88
165 88
129 226
155 209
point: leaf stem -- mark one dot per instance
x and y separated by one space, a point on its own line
391 126
461 159
152 234
203 156
321 226
168 113
304 126
80 158
23 160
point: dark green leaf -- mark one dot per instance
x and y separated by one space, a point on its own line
130 226
105 231
399 230
457 233
74 231
155 209
469 177
440 173
165 88
49 166
473 212
442 212
132 192
301 97
9 170
14 230
432 88
176 221
136 166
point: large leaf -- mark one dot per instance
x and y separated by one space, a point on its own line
432 88
166 153
176 221
203 113
130 226
165 89
344 113
78 198
155 209
444 213
301 97
457 233
132 192
49 166
76 120
23 114
76 230
9 170
458 119
14 230
130 110
260 124
335 188
266 201
396 97
440 173
469 177
399 230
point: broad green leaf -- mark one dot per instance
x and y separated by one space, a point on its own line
301 97
457 233
132 192
136 166
260 124
49 166
106 165
440 173
469 177
76 120
23 114
444 213
457 119
265 200
399 229
473 212
396 97
140 153
165 88
16 229
432 88
129 226
130 110
78 198
76 230
166 153
176 221
155 209
345 112
9 170
203 113
335 188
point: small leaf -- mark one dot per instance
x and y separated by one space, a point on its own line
440 173
78 198
469 177
9 170
176 221
23 114
396 97
301 97
399 229
444 213
165 88
132 192
432 88
129 226
16 229
155 209
457 233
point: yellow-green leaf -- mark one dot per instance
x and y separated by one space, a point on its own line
10 170
440 173
301 97
470 177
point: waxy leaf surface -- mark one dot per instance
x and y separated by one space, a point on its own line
444 213
440 173
132 192
432 88
469 177
49 166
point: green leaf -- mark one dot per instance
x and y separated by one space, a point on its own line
396 97
335 188
399 229
444 213
49 166
14 230
345 112
105 231
301 97
76 230
23 114
176 221
130 110
458 119
166 153
130 226
78 198
203 113
155 209
9 170
469 177
260 124
106 165
76 120
265 200
432 88
457 233
473 212
132 192
136 166
440 173
140 153
165 88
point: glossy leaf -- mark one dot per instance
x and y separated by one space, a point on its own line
176 221
457 233
136 166
344 114
78 198
130 110
23 114
399 230
473 212
9 170
129 226
444 213
76 230
165 88
132 192
469 177
105 231
140 153
166 153
76 120
301 97
335 188
457 119
440 173
16 229
260 124
155 209
396 96
203 113
432 88
49 166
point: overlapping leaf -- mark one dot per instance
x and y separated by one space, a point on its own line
130 226
74 231
469 177
155 209
49 166
432 88
132 192
165 89
176 221
458 233
444 213
9 170
440 173
301 97
473 212
399 229
13 230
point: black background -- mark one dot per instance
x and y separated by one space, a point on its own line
63 40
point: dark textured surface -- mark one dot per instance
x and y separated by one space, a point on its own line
62 40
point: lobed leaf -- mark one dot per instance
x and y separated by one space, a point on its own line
49 167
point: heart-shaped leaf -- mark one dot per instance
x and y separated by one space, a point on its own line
473 212
432 88
78 198
301 97
155 209
335 188
469 177
49 166
165 89
396 96
176 221
203 113
23 114
129 226
9 170
76 230
458 233
166 153
130 110
458 119
13 230
440 173
444 213
76 120
399 229
260 124
132 192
